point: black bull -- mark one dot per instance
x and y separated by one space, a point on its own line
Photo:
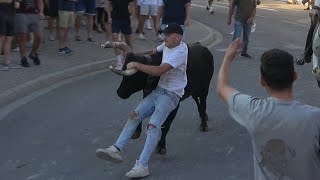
200 70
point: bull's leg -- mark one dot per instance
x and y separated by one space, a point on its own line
137 133
161 148
202 106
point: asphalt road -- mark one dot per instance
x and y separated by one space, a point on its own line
54 136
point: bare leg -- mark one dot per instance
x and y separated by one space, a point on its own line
36 43
89 26
7 48
63 37
22 44
108 33
77 25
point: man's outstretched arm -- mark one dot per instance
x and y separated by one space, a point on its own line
224 89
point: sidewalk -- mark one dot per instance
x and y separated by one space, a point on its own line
88 57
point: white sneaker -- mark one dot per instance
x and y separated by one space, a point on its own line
211 10
141 36
51 37
149 24
17 49
29 44
232 32
253 27
160 37
138 171
109 154
4 67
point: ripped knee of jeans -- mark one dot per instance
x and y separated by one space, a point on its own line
150 126
151 129
134 115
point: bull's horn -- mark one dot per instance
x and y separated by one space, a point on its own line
119 45
123 73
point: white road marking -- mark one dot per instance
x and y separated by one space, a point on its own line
226 7
202 6
294 23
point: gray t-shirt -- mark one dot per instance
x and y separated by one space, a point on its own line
284 134
244 9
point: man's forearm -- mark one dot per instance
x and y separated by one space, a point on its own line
144 52
41 6
132 11
107 8
223 76
188 11
150 70
253 13
224 89
230 13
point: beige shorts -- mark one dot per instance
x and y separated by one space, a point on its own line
66 19
148 10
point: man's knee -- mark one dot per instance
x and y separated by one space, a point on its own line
134 115
151 126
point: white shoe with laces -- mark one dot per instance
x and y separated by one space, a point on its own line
109 154
51 37
148 22
141 36
253 27
138 171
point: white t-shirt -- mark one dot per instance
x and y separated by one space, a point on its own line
175 80
148 2
317 3
160 2
285 136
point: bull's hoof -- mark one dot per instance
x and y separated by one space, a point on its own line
319 84
136 135
161 150
204 128
211 12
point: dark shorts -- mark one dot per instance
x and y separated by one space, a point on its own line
25 23
122 26
7 24
51 8
86 6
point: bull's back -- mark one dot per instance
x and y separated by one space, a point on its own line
199 70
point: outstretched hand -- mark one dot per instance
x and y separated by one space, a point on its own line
234 48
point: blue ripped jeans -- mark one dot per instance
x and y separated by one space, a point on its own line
238 28
158 105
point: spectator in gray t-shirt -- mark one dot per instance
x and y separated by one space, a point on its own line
283 131
244 12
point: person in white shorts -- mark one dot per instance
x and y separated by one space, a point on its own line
147 8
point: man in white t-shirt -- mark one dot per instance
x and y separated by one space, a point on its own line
158 104
285 133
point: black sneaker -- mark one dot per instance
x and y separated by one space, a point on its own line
24 62
35 58
246 55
